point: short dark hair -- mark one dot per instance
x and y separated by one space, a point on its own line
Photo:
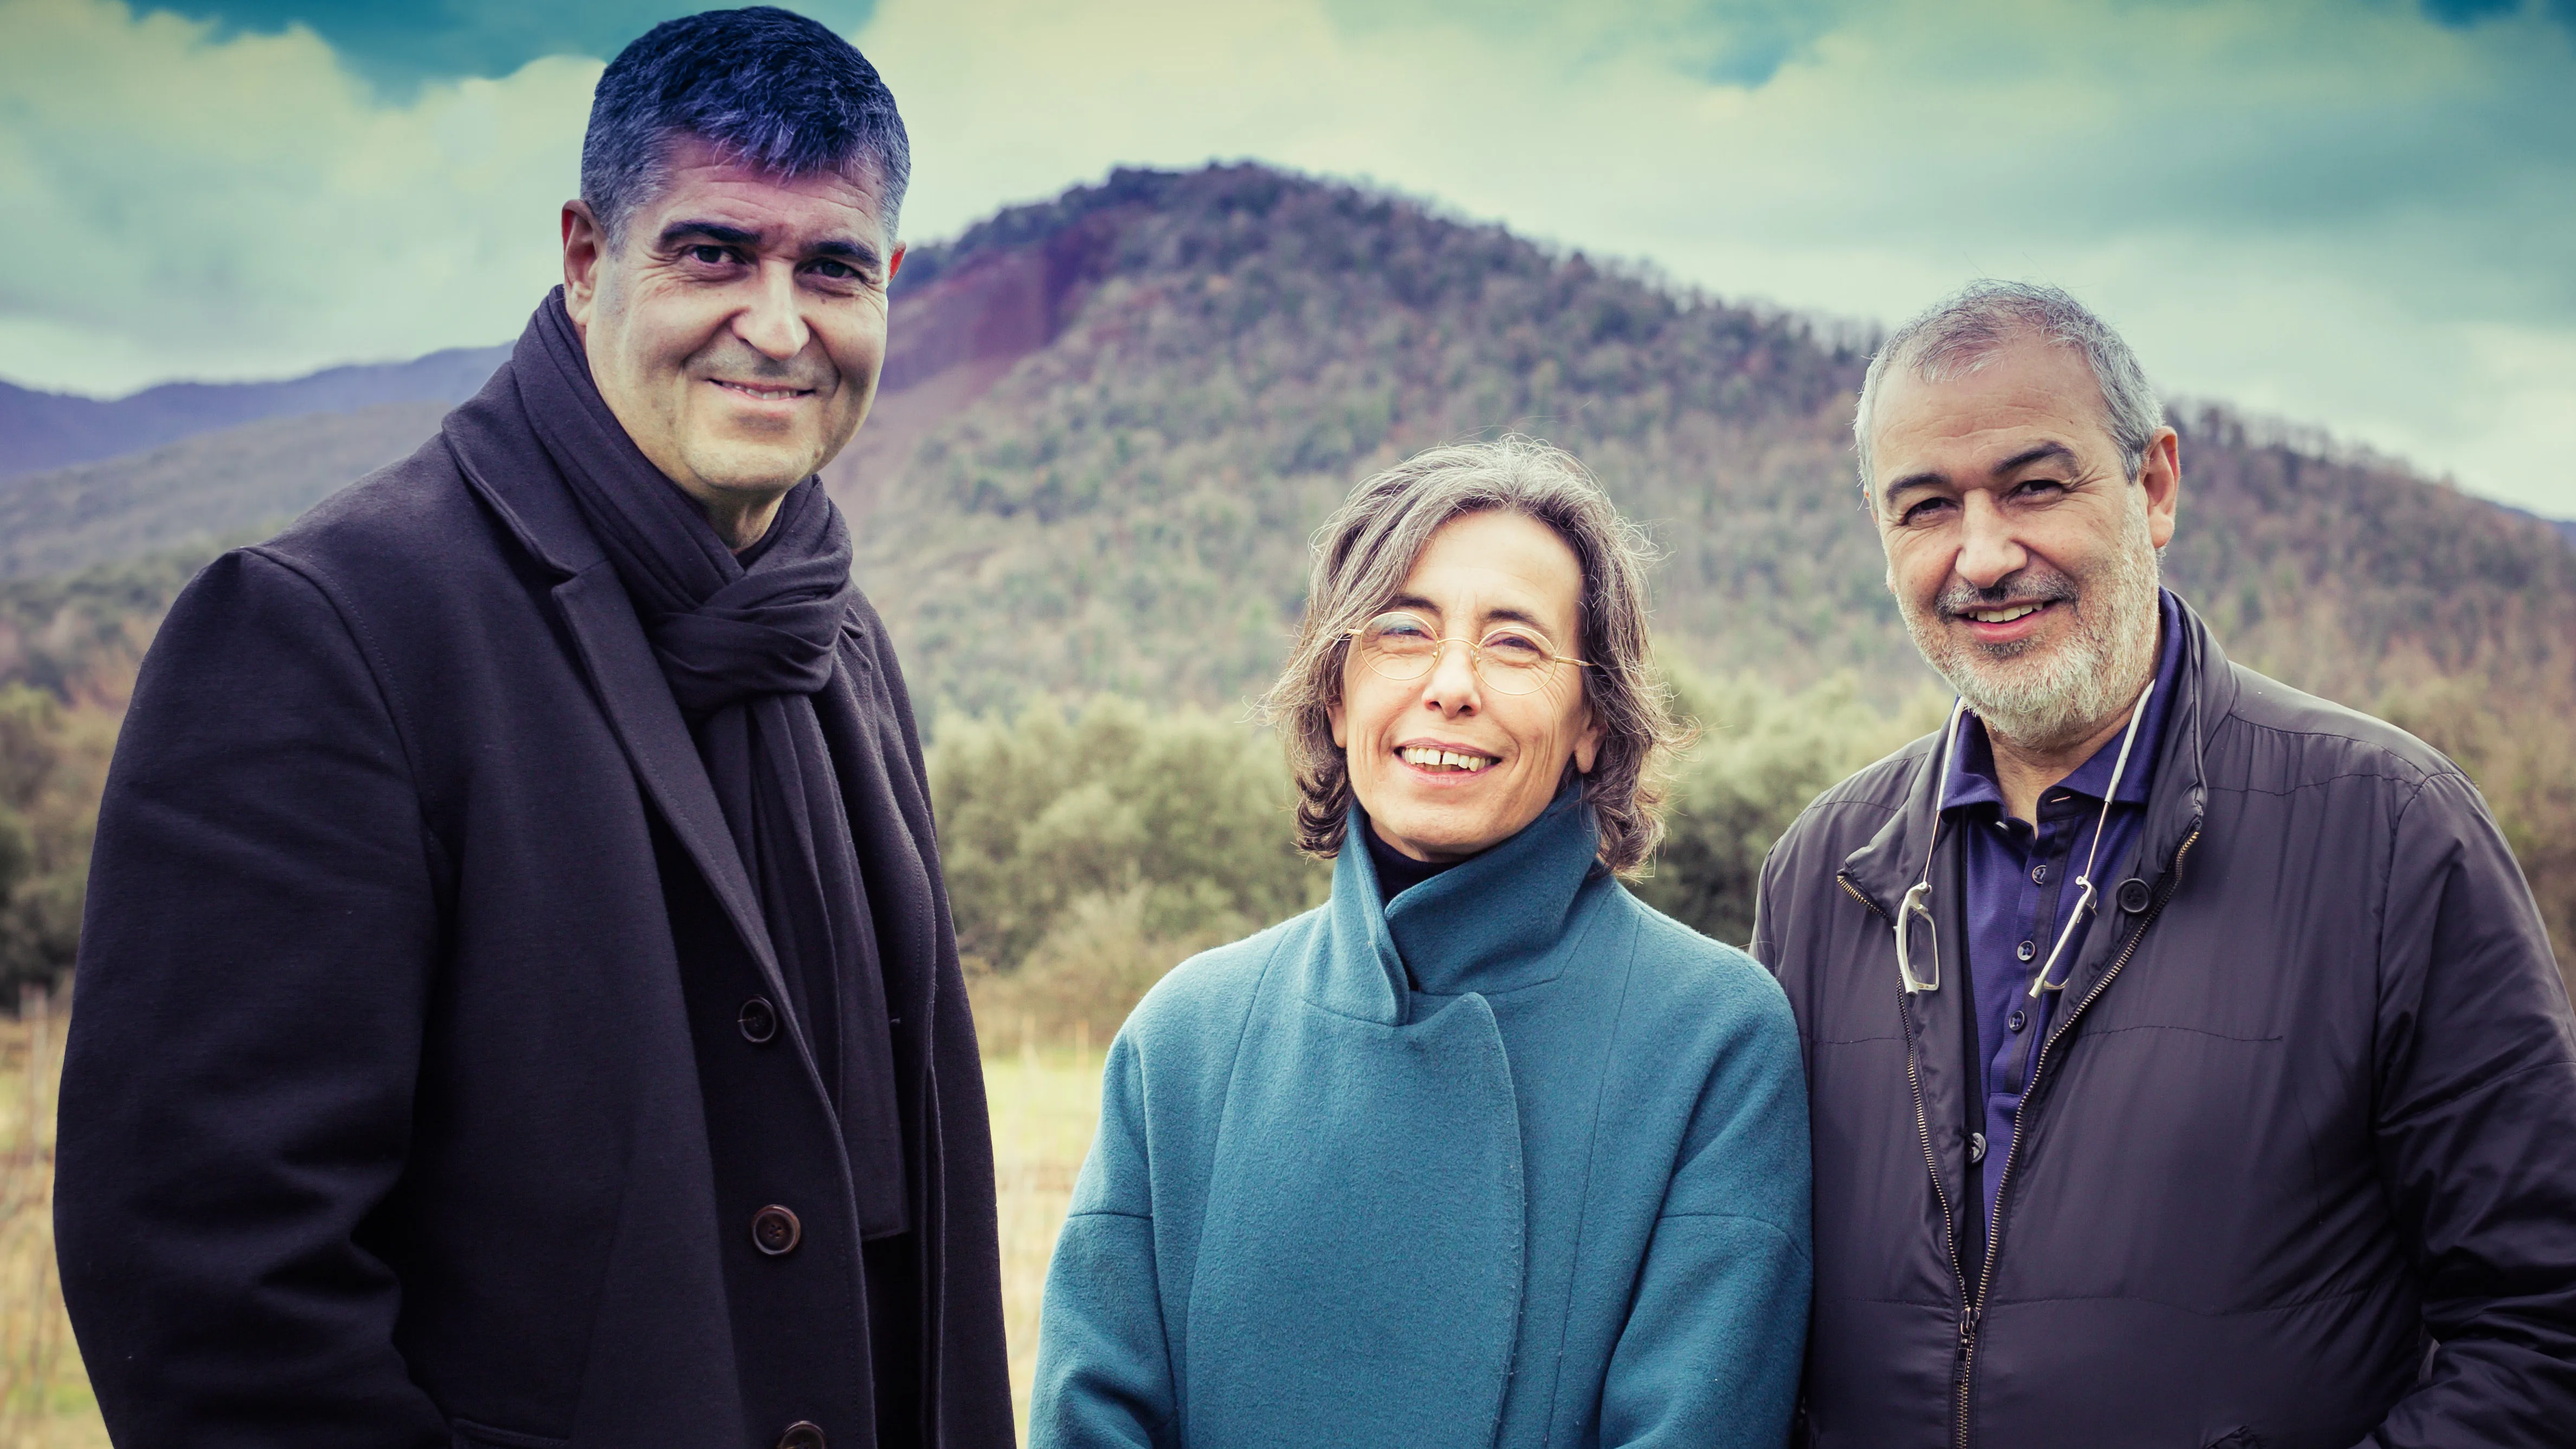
769 87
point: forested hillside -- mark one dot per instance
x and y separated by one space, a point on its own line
1198 365
1108 425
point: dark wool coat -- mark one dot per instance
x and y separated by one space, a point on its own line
385 1122
2297 1167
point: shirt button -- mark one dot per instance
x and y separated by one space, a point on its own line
2018 1020
1976 1147
803 1434
758 1020
775 1231
2039 875
2025 950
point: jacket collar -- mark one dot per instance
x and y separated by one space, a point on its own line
1893 860
498 450
1491 924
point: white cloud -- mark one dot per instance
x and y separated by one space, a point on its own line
2326 209
245 207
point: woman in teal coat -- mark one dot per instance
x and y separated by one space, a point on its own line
1483 1151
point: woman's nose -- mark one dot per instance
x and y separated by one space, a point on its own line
1452 683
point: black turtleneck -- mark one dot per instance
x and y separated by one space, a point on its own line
1396 871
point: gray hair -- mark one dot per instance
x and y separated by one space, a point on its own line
1363 554
769 88
1962 332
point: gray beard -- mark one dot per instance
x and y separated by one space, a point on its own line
2048 700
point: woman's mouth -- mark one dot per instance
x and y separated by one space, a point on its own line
1440 761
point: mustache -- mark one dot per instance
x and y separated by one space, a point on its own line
747 365
2023 587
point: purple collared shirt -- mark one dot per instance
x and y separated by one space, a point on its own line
2020 878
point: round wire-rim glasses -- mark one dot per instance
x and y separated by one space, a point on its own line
1510 659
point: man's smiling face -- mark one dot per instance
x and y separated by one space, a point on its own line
738 326
2020 552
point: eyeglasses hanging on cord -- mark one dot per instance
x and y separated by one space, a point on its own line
1918 897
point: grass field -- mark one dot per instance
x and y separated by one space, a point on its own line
1044 1104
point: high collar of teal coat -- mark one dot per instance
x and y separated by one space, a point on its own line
1487 925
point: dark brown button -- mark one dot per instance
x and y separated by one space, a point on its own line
758 1020
803 1434
2133 895
775 1231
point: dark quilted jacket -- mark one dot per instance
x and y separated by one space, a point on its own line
2298 1165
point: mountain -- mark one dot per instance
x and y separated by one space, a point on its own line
213 485
40 430
1113 419
1110 421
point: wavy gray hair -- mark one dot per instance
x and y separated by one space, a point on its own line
1363 554
1963 331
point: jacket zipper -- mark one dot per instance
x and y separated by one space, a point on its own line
1932 1164
1968 1319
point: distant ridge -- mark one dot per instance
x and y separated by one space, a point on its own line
1109 422
40 430
216 485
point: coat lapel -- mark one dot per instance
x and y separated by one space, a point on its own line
507 467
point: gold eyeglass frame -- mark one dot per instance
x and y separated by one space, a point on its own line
1475 657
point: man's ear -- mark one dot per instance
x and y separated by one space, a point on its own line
585 250
2160 474
894 263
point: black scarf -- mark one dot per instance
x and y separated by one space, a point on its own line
749 653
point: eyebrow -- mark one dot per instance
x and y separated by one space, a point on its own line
1492 616
734 236
2036 453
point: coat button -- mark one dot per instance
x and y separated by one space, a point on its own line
2133 895
803 1434
758 1020
775 1231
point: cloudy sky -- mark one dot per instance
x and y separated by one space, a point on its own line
2357 214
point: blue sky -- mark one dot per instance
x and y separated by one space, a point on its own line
2356 214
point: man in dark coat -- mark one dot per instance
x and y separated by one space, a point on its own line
518 1004
2187 1059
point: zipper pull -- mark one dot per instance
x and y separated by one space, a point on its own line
1968 1317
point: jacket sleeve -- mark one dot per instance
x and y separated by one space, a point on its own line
2476 1082
253 978
1104 1373
1765 945
1717 1327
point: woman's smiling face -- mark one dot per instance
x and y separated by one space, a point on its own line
1446 765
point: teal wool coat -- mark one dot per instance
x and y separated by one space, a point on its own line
1555 1195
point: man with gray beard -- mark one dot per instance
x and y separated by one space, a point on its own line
2188 1063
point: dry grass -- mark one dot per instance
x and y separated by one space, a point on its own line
1045 1104
44 1396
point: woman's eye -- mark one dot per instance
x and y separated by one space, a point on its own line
1514 648
1399 629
